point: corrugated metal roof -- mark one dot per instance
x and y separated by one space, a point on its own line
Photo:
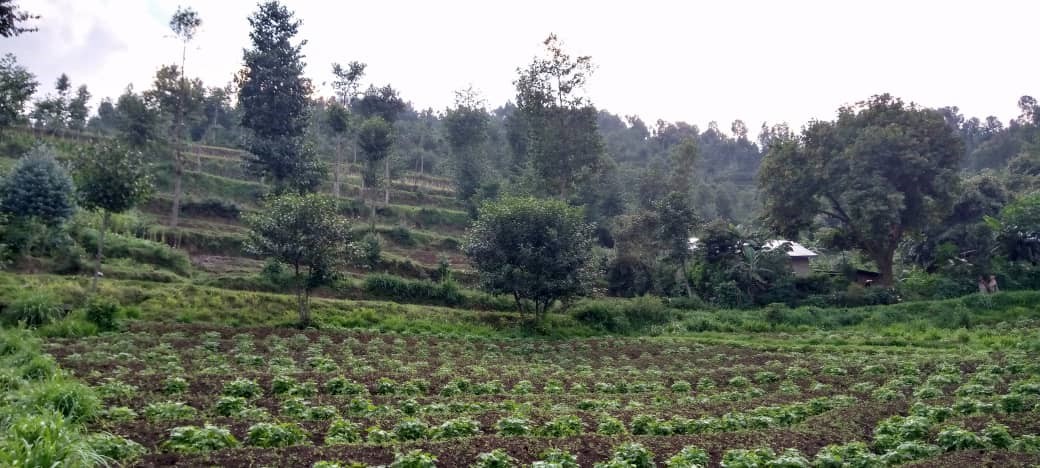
797 250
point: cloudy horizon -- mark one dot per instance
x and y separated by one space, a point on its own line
697 62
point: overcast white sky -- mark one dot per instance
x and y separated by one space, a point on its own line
695 61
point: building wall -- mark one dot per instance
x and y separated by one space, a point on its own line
800 266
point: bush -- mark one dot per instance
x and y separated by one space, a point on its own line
33 309
342 431
556 458
422 291
269 435
194 439
633 455
46 439
214 208
73 400
623 315
102 312
461 427
244 388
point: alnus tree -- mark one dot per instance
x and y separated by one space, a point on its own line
306 233
537 251
881 171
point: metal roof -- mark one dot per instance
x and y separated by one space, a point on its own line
797 250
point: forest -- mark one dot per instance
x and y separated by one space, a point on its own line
251 273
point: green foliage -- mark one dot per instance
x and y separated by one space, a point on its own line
194 439
556 458
102 312
496 458
630 454
411 429
881 171
32 308
341 431
537 250
169 411
414 459
114 447
623 316
415 291
111 177
513 426
689 457
561 426
304 232
375 138
1019 228
270 435
46 439
244 388
38 188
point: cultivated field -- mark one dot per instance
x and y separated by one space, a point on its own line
202 395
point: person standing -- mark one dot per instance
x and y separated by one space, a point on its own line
983 285
991 286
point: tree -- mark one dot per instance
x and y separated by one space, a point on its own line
136 121
180 98
385 103
78 111
337 119
38 188
676 219
563 142
305 232
274 97
11 18
52 112
881 171
1018 229
17 86
535 250
683 159
110 178
375 138
181 101
346 85
466 128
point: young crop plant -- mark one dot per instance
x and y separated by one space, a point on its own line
853 454
689 457
414 459
343 386
282 384
561 426
453 428
557 458
169 411
270 435
496 458
513 426
908 452
114 389
411 429
385 386
230 405
341 432
194 439
114 447
997 436
609 425
681 386
119 413
174 385
244 388
630 455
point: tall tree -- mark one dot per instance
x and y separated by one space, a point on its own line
17 86
346 84
305 232
466 127
185 24
385 103
110 178
274 97
136 120
882 170
52 112
12 19
563 142
38 188
180 100
78 111
676 219
375 138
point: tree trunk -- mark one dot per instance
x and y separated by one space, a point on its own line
100 249
685 280
178 174
386 180
301 299
884 263
422 164
336 177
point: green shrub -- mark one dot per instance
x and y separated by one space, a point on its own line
32 309
244 388
853 454
169 411
102 312
609 425
561 426
75 401
411 429
460 427
194 439
269 435
343 386
955 438
445 293
230 405
513 426
174 385
623 315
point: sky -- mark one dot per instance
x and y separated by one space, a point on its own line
694 61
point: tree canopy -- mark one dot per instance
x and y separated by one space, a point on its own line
882 170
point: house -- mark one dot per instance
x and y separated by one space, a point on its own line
798 253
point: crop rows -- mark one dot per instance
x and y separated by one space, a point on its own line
208 396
